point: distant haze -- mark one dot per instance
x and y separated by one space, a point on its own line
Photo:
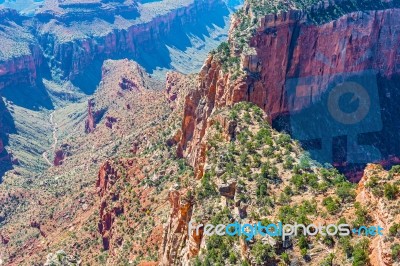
24 6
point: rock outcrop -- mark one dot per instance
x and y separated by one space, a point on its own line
61 154
58 157
107 177
290 70
90 125
228 190
93 116
68 11
176 230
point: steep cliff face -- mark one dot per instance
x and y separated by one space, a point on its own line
175 230
20 54
288 48
21 70
292 66
72 47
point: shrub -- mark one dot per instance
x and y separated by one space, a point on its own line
312 180
391 191
207 188
288 162
395 170
346 245
298 181
303 252
332 204
288 190
373 181
232 258
360 253
263 253
396 252
224 48
218 249
262 191
287 214
303 243
263 134
247 117
284 198
234 115
283 139
345 191
328 261
308 207
285 257
305 162
394 229
362 216
328 240
323 186
221 217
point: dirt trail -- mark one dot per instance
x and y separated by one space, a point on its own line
45 154
55 140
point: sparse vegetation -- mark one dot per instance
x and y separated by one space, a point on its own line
391 191
360 253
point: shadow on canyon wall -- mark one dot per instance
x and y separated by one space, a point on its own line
29 97
7 126
373 138
181 37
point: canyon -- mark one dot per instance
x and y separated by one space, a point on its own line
54 57
58 38
138 157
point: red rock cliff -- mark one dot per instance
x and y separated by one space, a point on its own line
20 54
288 47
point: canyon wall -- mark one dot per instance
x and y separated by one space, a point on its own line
21 71
70 10
75 54
292 69
20 54
74 41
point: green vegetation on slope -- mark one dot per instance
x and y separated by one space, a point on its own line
276 181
